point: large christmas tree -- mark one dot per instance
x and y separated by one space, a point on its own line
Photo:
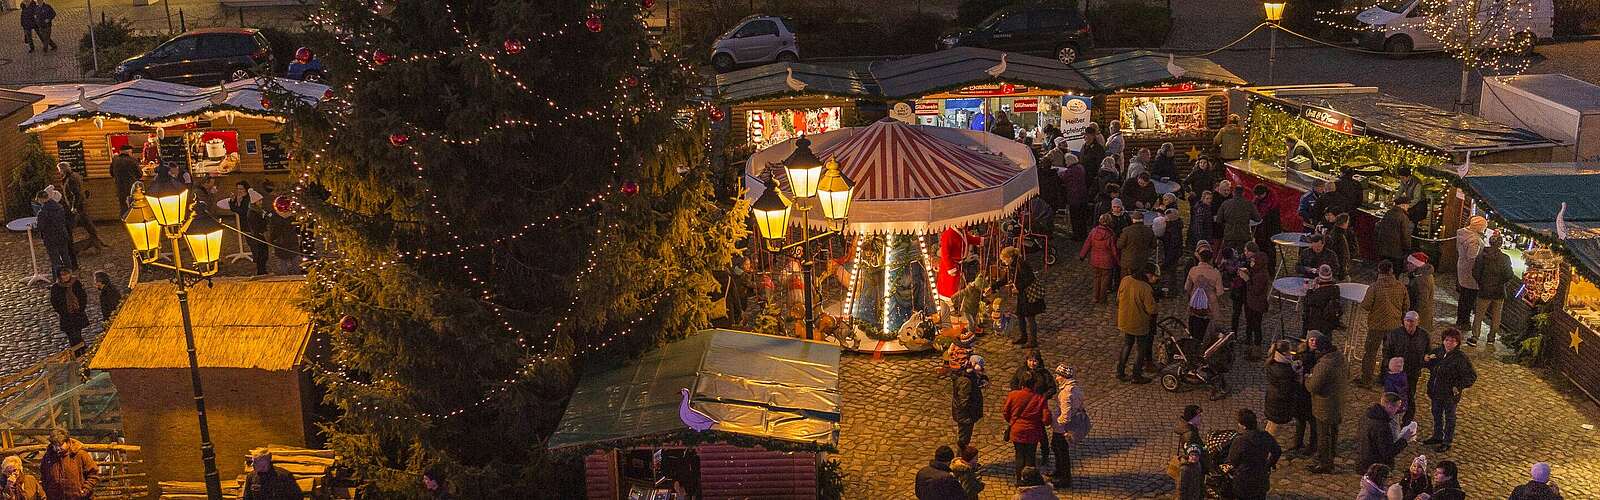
508 190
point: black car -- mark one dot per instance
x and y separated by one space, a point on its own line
201 57
1059 32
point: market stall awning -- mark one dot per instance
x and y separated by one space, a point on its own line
777 392
157 104
785 79
1587 254
952 69
1143 68
1531 194
1426 126
913 179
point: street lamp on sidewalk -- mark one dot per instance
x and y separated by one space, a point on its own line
808 178
164 210
1274 17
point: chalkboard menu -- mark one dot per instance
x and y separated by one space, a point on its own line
71 152
173 151
273 157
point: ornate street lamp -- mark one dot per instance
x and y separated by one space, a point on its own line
834 192
1274 12
164 211
808 178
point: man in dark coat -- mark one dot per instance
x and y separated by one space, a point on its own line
1492 271
69 300
1286 397
1316 255
1345 194
1538 486
1253 454
1201 179
966 399
1235 216
67 470
1327 383
76 202
1136 244
30 11
1451 372
1446 485
936 482
1409 342
1378 443
52 228
267 482
1393 234
125 170
44 17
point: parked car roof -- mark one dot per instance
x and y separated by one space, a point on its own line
226 31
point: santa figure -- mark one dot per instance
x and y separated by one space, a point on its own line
953 248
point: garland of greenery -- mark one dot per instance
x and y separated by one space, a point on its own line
689 437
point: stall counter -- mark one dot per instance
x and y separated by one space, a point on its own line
1287 191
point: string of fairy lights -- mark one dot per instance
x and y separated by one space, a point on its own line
1482 34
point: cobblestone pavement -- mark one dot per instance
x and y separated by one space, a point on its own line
896 411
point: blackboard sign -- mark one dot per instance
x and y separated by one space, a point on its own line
71 152
174 151
273 157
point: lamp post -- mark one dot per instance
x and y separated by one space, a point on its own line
808 178
1274 16
165 211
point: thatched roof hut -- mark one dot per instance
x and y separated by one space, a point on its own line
252 341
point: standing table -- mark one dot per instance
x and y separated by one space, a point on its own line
26 224
1284 242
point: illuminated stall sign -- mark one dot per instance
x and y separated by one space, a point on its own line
993 89
768 127
1025 105
927 107
1333 120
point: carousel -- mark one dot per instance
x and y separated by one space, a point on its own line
881 280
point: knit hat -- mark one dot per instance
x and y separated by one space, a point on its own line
1412 316
1416 260
1065 371
1421 462
1191 411
1070 159
976 361
1325 273
1116 202
1478 221
1192 449
1540 472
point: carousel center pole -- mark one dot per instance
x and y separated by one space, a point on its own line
806 264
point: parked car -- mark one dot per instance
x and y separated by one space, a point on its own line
755 40
1398 26
201 57
1056 31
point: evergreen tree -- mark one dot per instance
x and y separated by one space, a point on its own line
508 190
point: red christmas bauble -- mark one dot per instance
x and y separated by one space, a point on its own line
630 188
593 23
283 204
349 323
327 94
265 104
715 112
648 4
514 46
380 57
631 81
399 139
303 55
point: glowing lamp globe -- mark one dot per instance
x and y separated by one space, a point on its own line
205 240
834 191
1274 10
142 226
804 169
771 211
168 200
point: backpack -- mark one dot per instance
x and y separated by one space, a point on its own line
1200 301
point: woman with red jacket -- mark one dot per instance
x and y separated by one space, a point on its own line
1027 416
1101 250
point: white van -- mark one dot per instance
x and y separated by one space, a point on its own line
1397 26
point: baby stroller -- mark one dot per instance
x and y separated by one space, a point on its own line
1186 361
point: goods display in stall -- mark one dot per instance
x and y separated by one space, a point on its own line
780 101
767 127
912 183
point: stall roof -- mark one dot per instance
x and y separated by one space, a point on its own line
1419 124
1587 254
157 103
959 67
12 100
1561 89
773 80
1142 68
1530 195
781 392
238 323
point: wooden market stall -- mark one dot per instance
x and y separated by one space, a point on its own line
253 342
722 414
221 131
776 102
965 87
1376 134
1160 98
15 106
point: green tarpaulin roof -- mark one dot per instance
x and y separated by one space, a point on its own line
775 390
960 67
1142 68
1530 195
772 80
1419 124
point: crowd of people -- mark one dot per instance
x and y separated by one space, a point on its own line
1134 240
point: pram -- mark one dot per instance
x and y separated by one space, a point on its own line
1183 363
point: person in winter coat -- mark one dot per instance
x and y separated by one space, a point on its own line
1492 271
966 399
1033 366
1109 192
1192 476
1188 432
67 470
1171 243
1286 396
1315 255
1140 191
1409 342
29 12
1538 486
1346 195
1469 243
1322 309
1271 216
1015 272
1393 233
52 227
41 20
935 481
1253 454
1343 243
247 204
1203 219
965 468
1450 372
1203 290
1386 302
1418 479
434 484
1027 414
1446 485
1100 248
1003 126
1115 143
1230 140
16 483
1258 287
1030 486
267 482
1164 166
1326 384
1136 310
70 302
125 172
1374 483
1136 244
1378 443
1078 199
1139 164
1235 216
1069 422
1311 205
1202 177
1092 153
110 295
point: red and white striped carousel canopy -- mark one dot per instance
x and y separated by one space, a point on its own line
911 178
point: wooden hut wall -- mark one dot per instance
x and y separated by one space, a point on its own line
13 145
741 111
246 408
733 472
1581 365
600 475
1109 108
101 189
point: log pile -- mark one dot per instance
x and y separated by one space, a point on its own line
308 466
